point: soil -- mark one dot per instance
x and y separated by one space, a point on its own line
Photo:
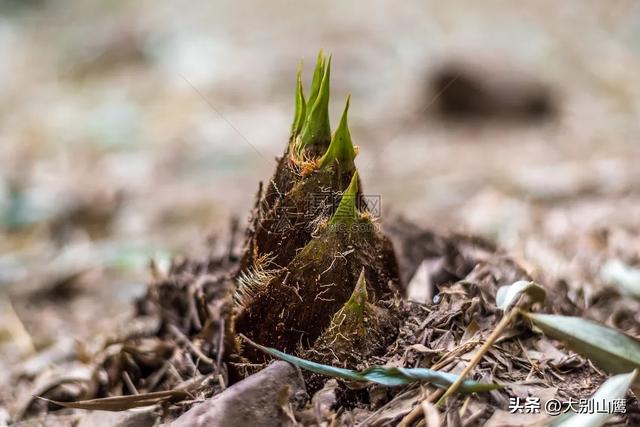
189 342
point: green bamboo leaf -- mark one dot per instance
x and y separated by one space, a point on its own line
612 389
391 376
318 72
341 149
316 128
318 368
387 376
609 348
347 211
507 296
298 118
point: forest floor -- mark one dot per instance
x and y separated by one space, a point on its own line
145 139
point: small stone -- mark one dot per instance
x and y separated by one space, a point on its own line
258 400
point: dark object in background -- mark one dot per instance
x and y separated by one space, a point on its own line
472 90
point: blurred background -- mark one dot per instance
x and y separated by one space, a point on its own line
132 130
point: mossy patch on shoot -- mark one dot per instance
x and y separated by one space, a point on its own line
358 330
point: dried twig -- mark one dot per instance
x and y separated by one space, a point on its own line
504 322
195 350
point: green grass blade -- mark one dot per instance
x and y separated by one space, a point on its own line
387 376
318 368
391 376
613 350
341 149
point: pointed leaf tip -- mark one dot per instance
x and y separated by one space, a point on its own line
300 105
359 295
347 210
341 149
353 310
316 128
318 73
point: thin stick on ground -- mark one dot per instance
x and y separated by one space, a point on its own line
418 409
195 350
504 322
